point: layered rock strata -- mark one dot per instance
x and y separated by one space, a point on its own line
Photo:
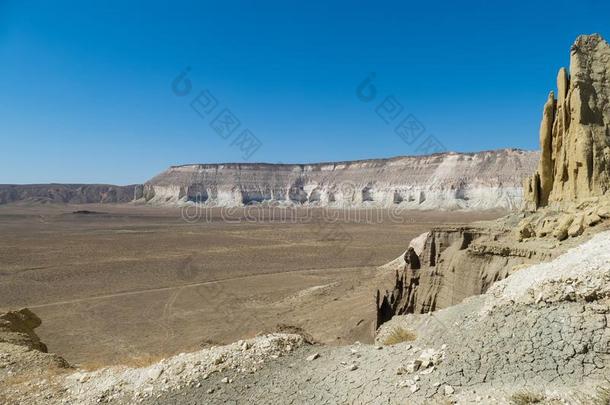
566 200
69 193
484 180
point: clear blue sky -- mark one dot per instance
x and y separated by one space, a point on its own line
86 90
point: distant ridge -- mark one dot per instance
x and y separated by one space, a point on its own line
450 180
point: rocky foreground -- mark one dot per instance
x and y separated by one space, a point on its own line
542 333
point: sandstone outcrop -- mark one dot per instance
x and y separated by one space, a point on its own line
483 180
23 356
17 327
456 263
574 133
566 199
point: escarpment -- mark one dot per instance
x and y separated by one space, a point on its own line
483 180
69 193
566 200
457 262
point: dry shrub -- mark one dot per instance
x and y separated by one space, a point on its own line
601 397
139 361
525 397
399 335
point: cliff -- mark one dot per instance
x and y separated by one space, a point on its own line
69 193
483 180
574 133
566 201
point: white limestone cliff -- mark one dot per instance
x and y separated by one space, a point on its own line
483 180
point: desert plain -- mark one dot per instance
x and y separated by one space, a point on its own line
122 283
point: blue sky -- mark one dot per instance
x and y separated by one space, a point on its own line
87 89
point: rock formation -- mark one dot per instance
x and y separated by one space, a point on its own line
17 327
23 356
566 199
69 193
483 180
574 133
456 262
476 181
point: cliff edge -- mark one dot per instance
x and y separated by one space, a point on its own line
566 201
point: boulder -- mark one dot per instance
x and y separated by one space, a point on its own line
577 226
525 230
17 327
603 211
547 226
561 232
592 219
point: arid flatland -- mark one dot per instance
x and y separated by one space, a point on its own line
120 282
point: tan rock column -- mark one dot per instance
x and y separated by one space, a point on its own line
545 166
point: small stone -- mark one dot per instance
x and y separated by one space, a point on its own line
353 367
603 212
592 220
313 357
225 380
448 390
155 373
413 366
414 388
428 370
210 390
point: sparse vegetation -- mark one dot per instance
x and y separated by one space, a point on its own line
601 397
399 335
135 361
525 397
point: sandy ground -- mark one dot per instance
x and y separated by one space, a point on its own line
131 283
